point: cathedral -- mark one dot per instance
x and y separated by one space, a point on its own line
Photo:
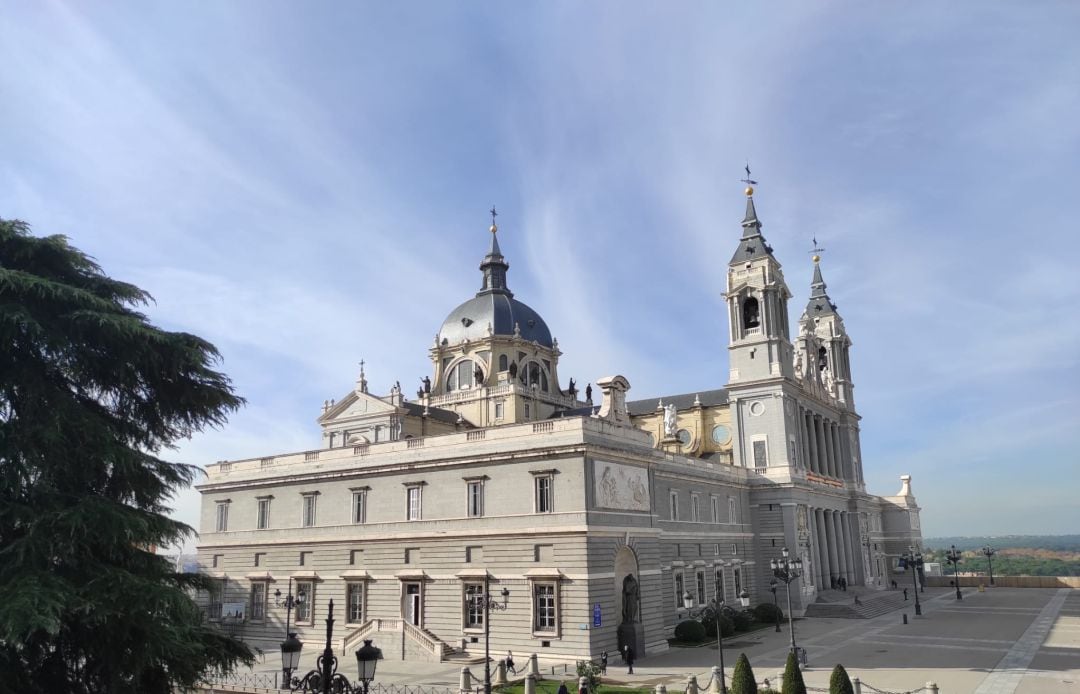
585 516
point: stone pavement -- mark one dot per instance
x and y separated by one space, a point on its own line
1004 640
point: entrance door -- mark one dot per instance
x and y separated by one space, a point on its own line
412 603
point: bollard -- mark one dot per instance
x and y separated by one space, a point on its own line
534 666
500 673
905 618
466 680
857 685
932 687
661 689
691 684
530 684
714 683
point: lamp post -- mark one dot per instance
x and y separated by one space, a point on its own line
290 647
714 608
990 552
488 605
913 559
954 556
325 679
367 656
772 586
786 571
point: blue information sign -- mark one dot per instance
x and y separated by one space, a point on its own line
596 615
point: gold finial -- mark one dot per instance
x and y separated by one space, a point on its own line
816 251
750 183
494 214
817 258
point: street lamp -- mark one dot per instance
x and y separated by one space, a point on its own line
367 656
714 608
325 679
954 556
990 552
786 571
913 559
772 586
488 605
290 647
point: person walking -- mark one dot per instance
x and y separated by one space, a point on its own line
603 663
628 656
563 689
510 663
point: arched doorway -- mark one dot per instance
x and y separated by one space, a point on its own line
628 601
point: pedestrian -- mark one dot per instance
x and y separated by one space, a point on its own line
628 656
843 584
563 689
603 663
905 593
510 663
832 582
857 600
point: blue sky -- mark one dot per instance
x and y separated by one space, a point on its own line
307 184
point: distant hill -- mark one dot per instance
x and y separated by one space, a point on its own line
1017 555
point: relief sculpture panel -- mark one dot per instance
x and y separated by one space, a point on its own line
621 487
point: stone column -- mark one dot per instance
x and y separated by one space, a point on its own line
858 567
805 438
819 434
830 533
465 684
840 457
815 557
841 540
823 547
814 449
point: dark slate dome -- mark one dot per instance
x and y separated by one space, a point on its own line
496 306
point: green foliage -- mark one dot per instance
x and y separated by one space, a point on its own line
691 631
727 627
589 670
839 682
742 680
768 613
742 619
90 394
793 681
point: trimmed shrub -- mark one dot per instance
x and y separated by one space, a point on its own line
727 627
743 620
839 682
768 613
690 631
793 681
742 680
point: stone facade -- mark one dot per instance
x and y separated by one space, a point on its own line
596 518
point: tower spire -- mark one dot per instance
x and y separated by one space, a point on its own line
494 265
820 303
752 245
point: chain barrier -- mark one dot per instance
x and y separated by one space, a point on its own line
874 690
380 688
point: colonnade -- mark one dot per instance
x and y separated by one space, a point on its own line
835 548
822 451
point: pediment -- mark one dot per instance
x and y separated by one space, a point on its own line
356 405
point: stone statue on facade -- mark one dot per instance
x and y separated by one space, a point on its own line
427 384
588 392
671 420
478 374
572 389
629 600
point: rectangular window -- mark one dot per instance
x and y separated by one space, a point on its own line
715 509
309 510
474 554
414 503
498 410
694 508
303 611
257 608
260 557
719 585
217 560
544 607
217 599
679 590
674 500
222 516
761 455
716 549
526 410
412 555
733 517
305 558
475 496
794 455
738 581
359 507
355 555
734 548
701 587
354 600
474 605
544 500
544 553
263 521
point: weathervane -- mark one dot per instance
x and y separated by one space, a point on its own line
817 250
494 214
748 181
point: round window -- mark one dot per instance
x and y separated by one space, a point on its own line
757 408
684 437
721 434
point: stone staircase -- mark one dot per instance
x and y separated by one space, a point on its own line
840 605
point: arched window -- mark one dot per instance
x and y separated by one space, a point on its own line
751 313
502 362
463 375
823 358
534 374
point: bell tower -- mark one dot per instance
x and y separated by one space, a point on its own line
757 297
823 346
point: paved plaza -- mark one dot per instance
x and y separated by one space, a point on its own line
1005 640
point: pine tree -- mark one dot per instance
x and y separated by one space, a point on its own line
91 393
793 681
839 682
742 680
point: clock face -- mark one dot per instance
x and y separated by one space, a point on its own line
684 436
721 434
